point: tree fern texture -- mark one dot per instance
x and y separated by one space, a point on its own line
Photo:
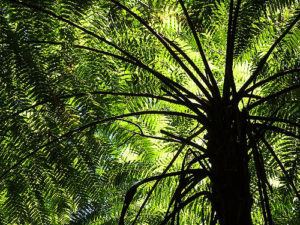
149 112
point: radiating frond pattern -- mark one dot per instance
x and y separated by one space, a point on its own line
149 112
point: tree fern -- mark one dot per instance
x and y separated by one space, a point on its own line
187 109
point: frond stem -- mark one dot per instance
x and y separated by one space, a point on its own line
183 204
277 75
269 147
153 187
215 89
164 172
273 119
80 129
184 140
131 192
164 79
174 55
272 96
82 94
231 31
276 130
188 59
265 58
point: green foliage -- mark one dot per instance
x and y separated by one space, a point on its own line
86 115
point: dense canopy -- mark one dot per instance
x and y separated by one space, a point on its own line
149 112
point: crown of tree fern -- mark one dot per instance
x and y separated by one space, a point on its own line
149 112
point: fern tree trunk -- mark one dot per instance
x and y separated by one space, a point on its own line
229 161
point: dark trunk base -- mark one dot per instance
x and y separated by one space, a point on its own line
231 190
230 175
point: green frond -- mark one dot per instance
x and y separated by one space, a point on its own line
102 101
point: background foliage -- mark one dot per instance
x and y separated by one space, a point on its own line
59 166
